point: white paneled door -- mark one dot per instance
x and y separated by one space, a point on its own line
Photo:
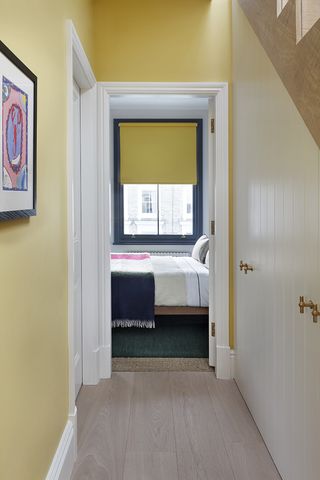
311 337
277 233
77 251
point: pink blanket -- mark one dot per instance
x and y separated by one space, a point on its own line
130 256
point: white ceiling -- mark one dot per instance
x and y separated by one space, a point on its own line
158 101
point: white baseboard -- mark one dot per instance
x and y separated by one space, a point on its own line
65 456
223 368
73 417
212 351
91 374
105 361
98 365
232 362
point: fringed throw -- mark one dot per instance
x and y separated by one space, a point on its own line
133 290
133 323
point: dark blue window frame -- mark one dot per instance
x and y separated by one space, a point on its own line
120 238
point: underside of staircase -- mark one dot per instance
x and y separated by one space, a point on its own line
289 31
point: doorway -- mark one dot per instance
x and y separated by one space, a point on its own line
218 210
163 220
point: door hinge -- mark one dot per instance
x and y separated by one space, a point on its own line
213 329
213 227
212 125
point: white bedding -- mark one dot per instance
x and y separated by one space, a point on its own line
180 281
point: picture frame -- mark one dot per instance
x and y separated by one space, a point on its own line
18 137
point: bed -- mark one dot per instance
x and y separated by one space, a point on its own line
145 286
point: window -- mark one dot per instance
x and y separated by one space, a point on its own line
171 215
158 213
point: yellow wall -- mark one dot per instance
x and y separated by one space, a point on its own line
166 40
33 253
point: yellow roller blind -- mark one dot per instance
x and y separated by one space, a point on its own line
159 152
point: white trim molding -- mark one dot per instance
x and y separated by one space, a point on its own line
221 264
90 239
105 354
104 219
232 363
203 89
221 288
78 69
73 418
65 456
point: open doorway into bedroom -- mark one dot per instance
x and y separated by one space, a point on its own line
160 231
132 105
159 278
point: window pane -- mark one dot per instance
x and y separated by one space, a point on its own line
176 209
140 210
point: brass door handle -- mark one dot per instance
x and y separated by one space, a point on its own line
313 307
303 304
245 267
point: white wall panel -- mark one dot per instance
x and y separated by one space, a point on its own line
276 185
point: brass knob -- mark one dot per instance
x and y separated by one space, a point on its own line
315 313
303 304
248 269
245 267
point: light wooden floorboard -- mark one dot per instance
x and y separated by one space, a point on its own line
147 466
232 413
201 452
87 410
151 422
248 454
168 426
103 438
252 461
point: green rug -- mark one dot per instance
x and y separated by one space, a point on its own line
174 337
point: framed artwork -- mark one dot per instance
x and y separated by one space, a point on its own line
18 137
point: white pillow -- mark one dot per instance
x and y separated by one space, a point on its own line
200 249
206 262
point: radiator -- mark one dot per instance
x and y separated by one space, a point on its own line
161 254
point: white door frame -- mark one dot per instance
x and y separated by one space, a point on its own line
79 69
220 294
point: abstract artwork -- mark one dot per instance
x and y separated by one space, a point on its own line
14 137
18 129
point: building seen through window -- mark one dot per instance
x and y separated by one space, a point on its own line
158 209
148 202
